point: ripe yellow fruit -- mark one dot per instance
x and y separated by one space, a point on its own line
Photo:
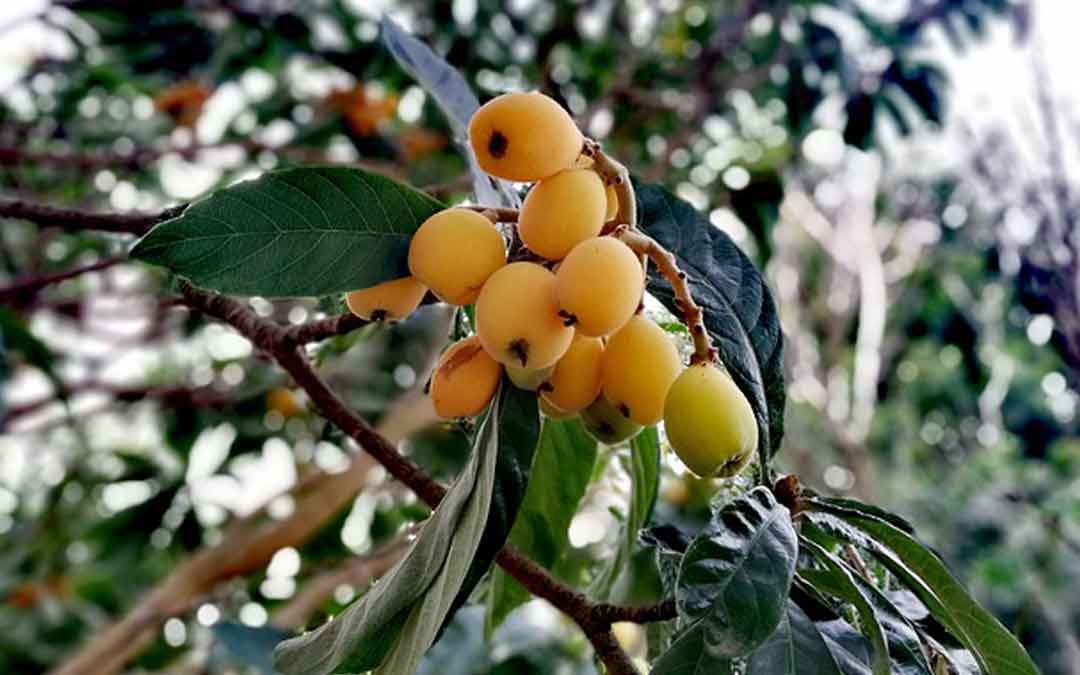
575 382
606 424
640 363
528 379
709 422
562 211
465 379
454 252
600 285
524 137
612 209
554 413
388 301
517 317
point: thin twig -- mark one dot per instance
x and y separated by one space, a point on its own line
21 291
665 262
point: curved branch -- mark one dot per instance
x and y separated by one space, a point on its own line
73 219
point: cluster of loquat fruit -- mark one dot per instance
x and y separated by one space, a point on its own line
563 316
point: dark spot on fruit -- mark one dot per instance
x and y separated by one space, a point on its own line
520 349
498 144
378 315
624 409
546 386
605 430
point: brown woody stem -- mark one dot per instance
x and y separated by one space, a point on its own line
665 262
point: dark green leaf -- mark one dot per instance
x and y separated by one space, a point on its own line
839 504
296 232
996 649
690 655
670 543
798 647
879 617
838 581
849 648
739 310
560 474
735 576
396 621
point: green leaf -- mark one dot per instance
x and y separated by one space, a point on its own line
644 472
997 651
690 655
560 474
297 232
798 647
836 580
519 432
18 338
740 314
405 609
839 504
736 574
878 616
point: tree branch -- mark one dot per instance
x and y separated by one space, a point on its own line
75 220
270 338
23 290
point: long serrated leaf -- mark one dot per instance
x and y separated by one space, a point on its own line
428 616
297 232
740 313
797 647
997 651
836 580
560 474
519 433
735 576
360 637
836 504
882 621
453 95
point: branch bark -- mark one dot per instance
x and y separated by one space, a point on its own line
76 220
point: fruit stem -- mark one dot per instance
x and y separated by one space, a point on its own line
665 262
616 175
496 214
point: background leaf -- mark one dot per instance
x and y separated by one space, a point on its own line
736 574
296 232
564 461
644 469
247 646
740 314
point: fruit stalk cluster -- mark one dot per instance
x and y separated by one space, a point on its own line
564 317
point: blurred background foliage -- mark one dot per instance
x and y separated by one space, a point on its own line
924 261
